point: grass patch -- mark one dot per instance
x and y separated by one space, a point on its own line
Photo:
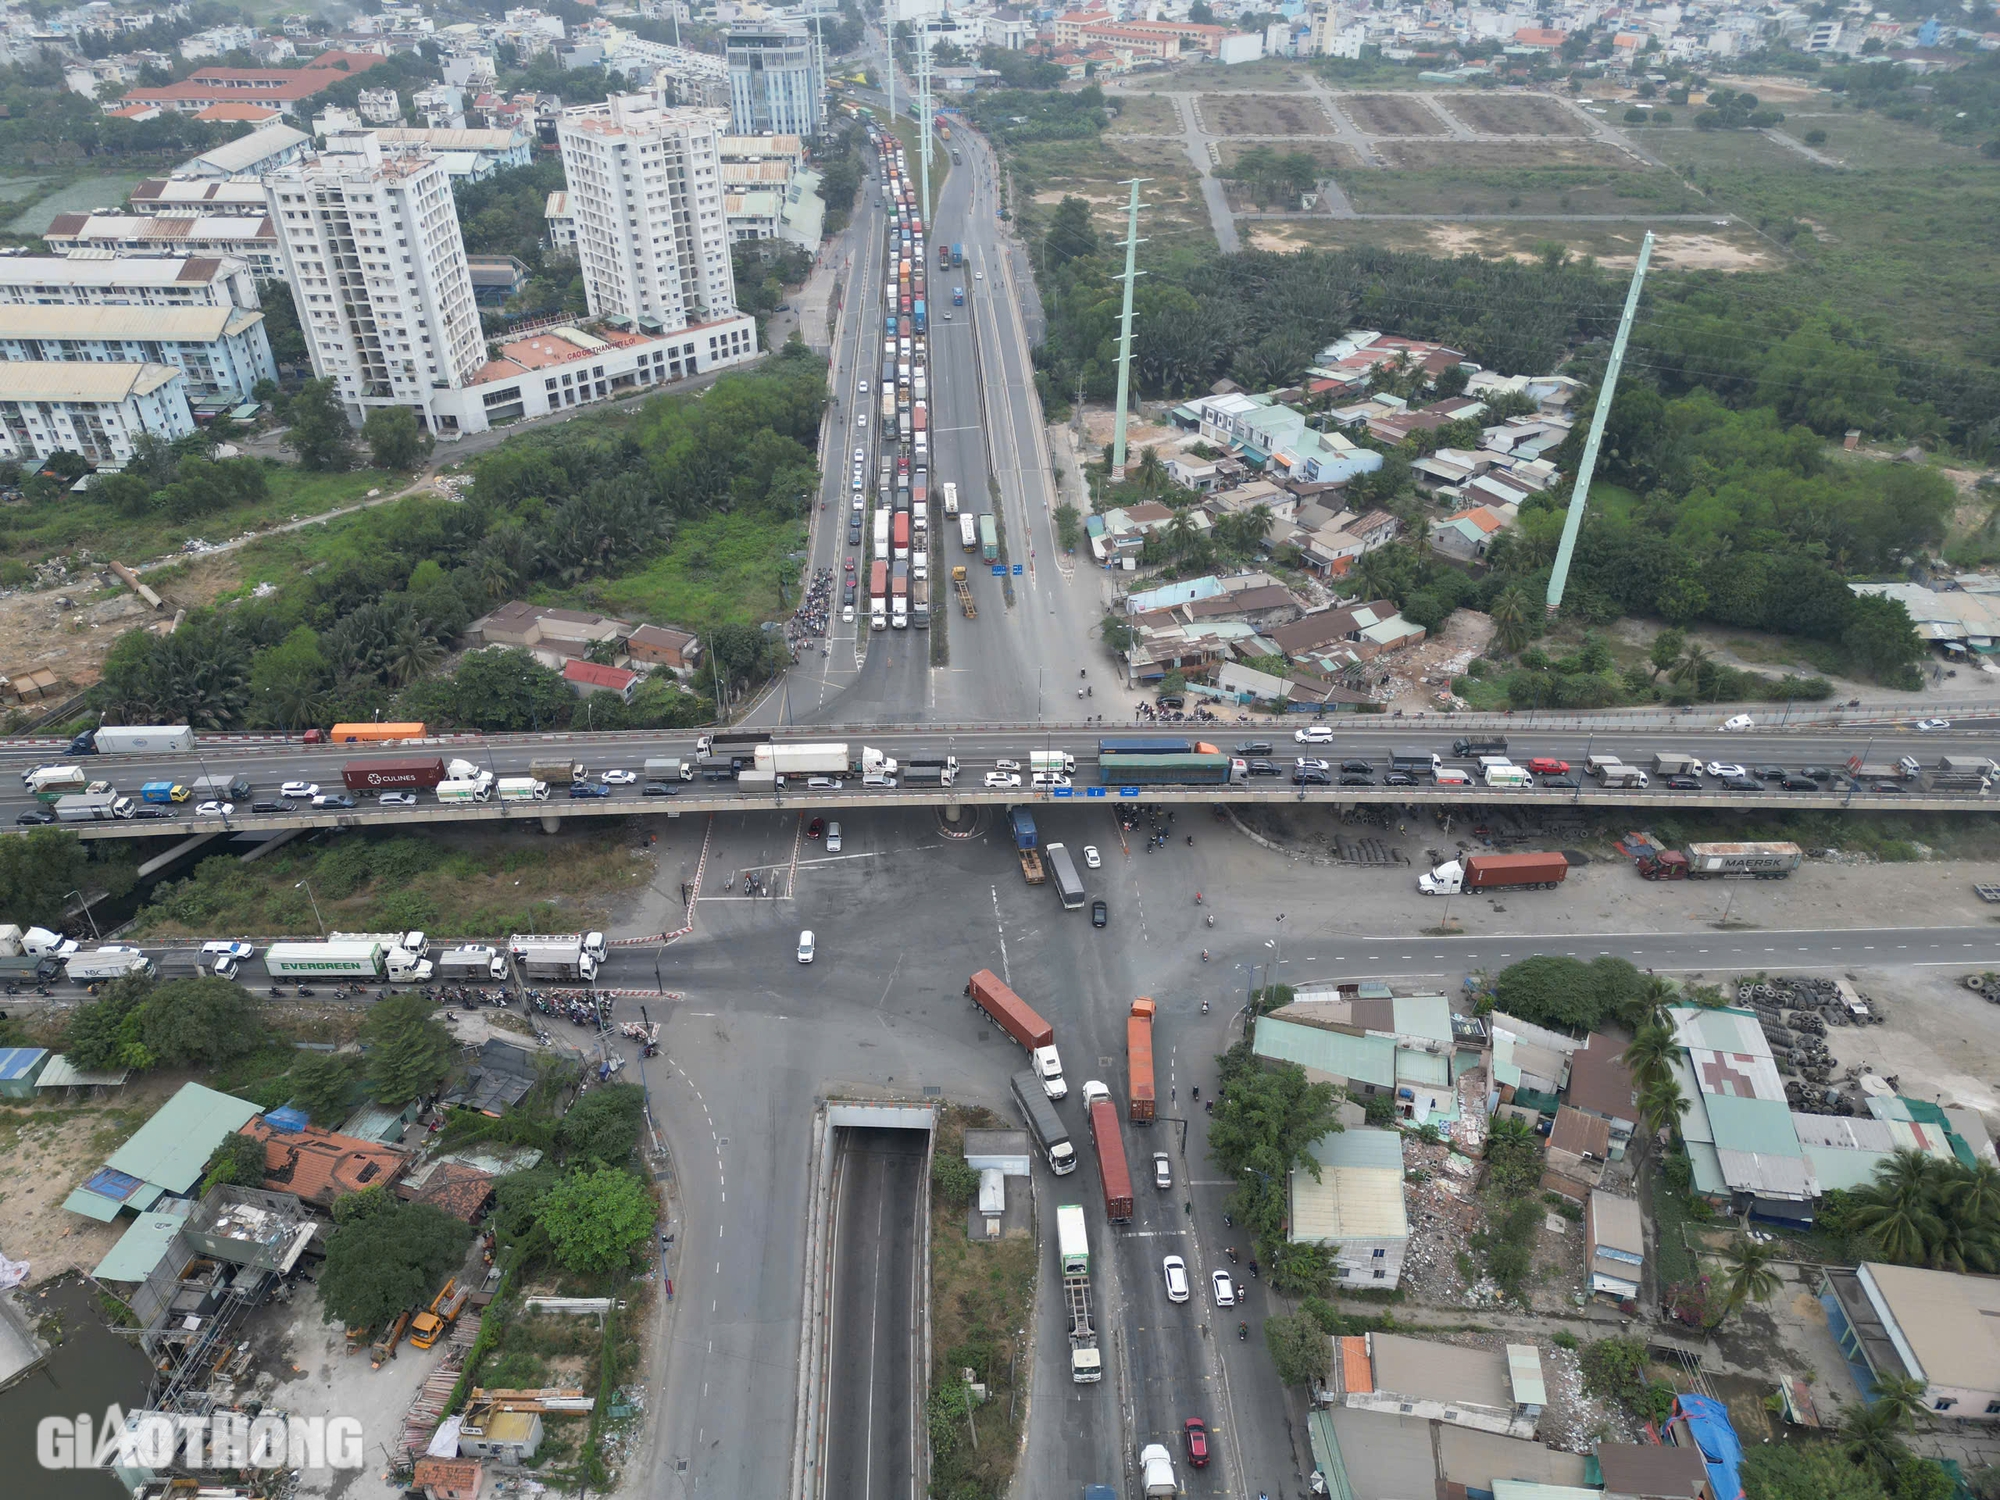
451 885
723 569
1526 190
1675 1263
1141 114
982 1301
98 190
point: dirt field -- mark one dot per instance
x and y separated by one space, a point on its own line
1478 156
1389 114
1520 191
1331 156
1260 114
1614 244
1512 116
1141 114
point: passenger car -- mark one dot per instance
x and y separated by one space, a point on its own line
833 838
1307 776
1314 734
35 816
583 789
1261 767
815 828
1800 784
1100 914
270 805
1092 860
1355 778
224 809
1548 765
619 778
299 789
1194 1432
807 948
1254 747
333 799
397 799
1003 780
1725 768
1929 726
1742 784
1683 783
1225 1294
1175 1270
1163 1171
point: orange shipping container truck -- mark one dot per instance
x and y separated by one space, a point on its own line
373 734
1139 1059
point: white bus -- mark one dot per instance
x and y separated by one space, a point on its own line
1068 887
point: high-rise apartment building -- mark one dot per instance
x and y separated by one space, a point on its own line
777 81
372 248
645 195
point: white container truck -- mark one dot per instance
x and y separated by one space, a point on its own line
1086 1360
522 789
590 942
823 759
554 960
466 789
109 963
416 944
136 739
1052 762
362 961
36 942
473 965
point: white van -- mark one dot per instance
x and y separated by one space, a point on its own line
1452 777
1049 779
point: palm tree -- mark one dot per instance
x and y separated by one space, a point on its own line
413 653
1510 620
1868 1438
1686 672
1902 1396
1649 1054
1898 1210
1181 534
1661 1105
1151 472
1974 1193
1748 1276
1651 1006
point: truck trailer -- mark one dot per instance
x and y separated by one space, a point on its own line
1086 1360
1111 1168
113 962
403 773
1044 1124
1027 844
366 961
1492 872
1139 1061
134 739
824 759
1018 1019
1723 861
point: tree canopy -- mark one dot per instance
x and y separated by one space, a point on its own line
385 1256
1568 994
596 1219
408 1052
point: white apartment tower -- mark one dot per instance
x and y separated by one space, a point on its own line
645 193
371 246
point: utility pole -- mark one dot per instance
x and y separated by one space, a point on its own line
924 118
1580 492
1132 273
889 42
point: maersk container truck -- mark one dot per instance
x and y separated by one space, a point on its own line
1044 1124
1019 1020
1774 861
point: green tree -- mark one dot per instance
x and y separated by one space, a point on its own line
953 1180
1869 1438
288 682
1923 1479
394 439
1902 1396
237 1162
1666 650
1804 1471
1747 1275
324 1084
603 1126
1510 620
319 431
200 1022
103 1033
595 1220
408 1052
1069 527
38 870
1299 1350
1265 1123
1661 1105
1898 1211
1070 235
1651 1051
385 1256
1881 637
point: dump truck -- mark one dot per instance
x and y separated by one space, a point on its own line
1723 861
1489 872
963 589
920 596
440 1315
1018 1019
1139 1061
1027 844
1959 773
1115 1175
1086 1360
1044 1124
384 1349
400 774
1476 745
556 772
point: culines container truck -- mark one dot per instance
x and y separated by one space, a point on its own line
1086 1360
417 771
1493 872
1721 861
1111 1168
1139 1061
1044 1124
1018 1019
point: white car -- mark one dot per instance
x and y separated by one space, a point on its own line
228 950
862 423
861 454
1050 778
878 780
1177 1280
806 948
856 484
847 614
824 783
299 789
833 838
978 275
619 778
1314 734
1006 765
862 388
214 809
1307 763
1004 781
1930 725
1163 1171
1739 721
1725 768
1091 859
397 799
1225 1294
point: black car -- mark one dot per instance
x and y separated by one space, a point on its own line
271 805
147 812
1358 767
1263 768
1770 773
1254 747
1800 784
1562 783
1818 773
660 789
1742 784
1355 778
582 789
1100 914
1172 700
847 594
1307 776
36 815
854 533
1683 783
1890 787
1399 778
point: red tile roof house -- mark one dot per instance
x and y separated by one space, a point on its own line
319 1166
280 87
587 677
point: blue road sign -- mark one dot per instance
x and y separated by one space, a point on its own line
1093 791
1017 570
1061 791
1128 791
999 570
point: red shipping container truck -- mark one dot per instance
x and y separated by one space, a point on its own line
1009 1011
393 775
1111 1168
1494 872
1139 1060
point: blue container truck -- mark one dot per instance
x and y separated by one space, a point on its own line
922 321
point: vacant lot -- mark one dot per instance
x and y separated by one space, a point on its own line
1537 190
1389 114
1512 116
1873 143
1149 155
1494 156
104 190
1095 170
1614 244
1266 73
1331 156
1144 114
1262 114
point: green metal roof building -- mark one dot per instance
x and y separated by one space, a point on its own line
165 1156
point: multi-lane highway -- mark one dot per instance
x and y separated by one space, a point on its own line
977 747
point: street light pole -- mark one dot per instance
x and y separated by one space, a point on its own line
306 885
80 901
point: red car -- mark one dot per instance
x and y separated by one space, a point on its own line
1196 1434
1543 765
815 828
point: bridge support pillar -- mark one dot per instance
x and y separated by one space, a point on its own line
551 823
951 810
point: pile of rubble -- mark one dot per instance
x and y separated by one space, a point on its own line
1574 1420
1444 1208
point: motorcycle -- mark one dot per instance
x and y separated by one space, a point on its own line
1204 1011
1242 1331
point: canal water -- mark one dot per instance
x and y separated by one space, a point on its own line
89 1368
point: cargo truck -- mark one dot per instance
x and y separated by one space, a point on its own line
669 768
1111 1168
51 782
989 538
476 965
93 807
1479 745
1086 1360
590 942
554 958
36 942
888 403
753 780
899 592
1018 1019
899 536
1052 762
803 760
951 497
1959 773
882 519
1044 1124
1415 762
1617 774
1507 776
473 789
1156 1472
1139 1061
927 776
29 968
1666 763
109 963
1493 872
920 598
522 789
1021 823
878 594
1721 861
221 788
403 774
134 739
331 960
968 531
556 772
163 792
